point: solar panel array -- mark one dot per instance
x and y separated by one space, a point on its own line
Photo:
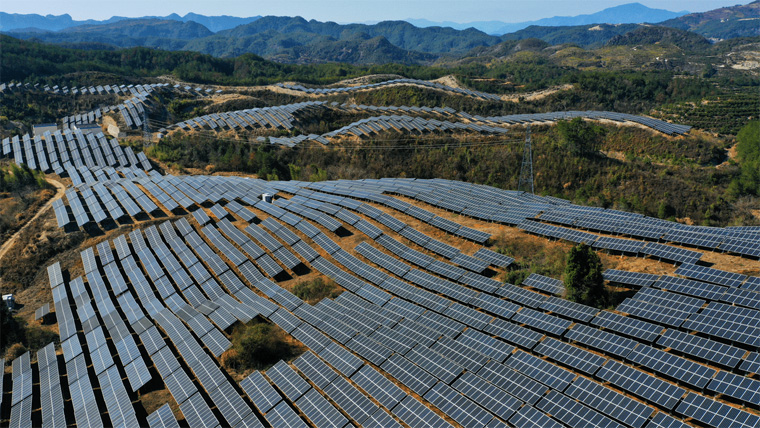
75 154
415 314
83 90
394 82
278 117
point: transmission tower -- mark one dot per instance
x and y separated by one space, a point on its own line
146 129
526 171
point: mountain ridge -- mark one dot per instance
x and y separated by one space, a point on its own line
630 13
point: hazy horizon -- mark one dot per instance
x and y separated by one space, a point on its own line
356 11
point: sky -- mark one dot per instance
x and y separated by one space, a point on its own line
344 11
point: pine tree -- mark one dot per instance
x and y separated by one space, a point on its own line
583 277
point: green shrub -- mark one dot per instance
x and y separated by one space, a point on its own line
316 289
257 346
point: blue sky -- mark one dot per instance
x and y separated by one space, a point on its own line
344 11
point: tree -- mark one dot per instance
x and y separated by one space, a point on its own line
257 345
11 330
582 138
583 277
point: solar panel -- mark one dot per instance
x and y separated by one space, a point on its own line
356 405
338 357
713 275
369 349
230 405
434 363
494 258
672 366
573 413
530 417
319 411
261 393
706 349
541 321
714 413
162 418
286 379
180 386
643 385
460 408
197 413
540 370
415 414
739 387
611 403
751 363
284 416
316 370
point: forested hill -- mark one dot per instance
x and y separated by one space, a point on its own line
723 23
297 40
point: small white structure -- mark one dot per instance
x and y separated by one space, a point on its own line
42 128
9 300
266 197
88 128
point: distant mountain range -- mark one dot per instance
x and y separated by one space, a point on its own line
15 21
631 13
296 40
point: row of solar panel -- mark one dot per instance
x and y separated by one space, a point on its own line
278 117
84 90
62 152
415 82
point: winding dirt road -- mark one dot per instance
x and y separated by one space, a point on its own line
60 189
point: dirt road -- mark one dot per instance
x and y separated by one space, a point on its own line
60 189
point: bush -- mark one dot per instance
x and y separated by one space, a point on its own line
16 350
256 346
583 277
38 337
316 289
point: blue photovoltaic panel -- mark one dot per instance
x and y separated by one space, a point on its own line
703 348
319 411
717 414
573 413
707 274
641 384
569 355
627 326
611 403
530 417
261 392
751 363
487 395
739 387
283 415
378 386
415 414
287 380
672 366
460 408
540 370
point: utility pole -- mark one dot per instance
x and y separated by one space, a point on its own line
526 171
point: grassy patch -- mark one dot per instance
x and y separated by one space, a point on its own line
531 256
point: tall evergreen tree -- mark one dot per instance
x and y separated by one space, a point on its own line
583 277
